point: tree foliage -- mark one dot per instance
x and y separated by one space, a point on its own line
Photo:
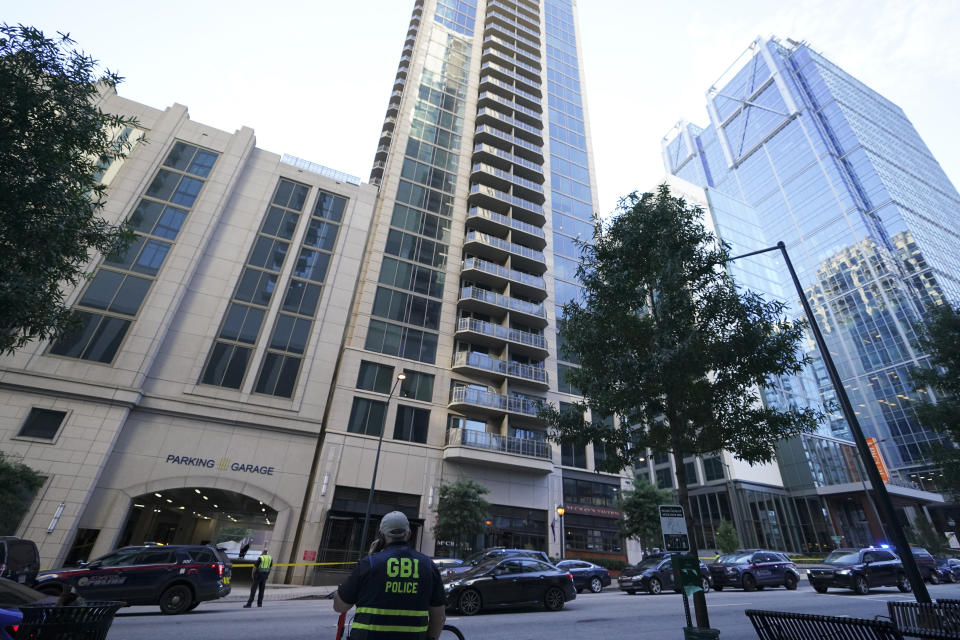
940 337
461 512
18 484
727 539
927 537
668 343
53 139
641 511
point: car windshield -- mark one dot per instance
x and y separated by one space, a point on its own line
735 558
649 563
474 558
843 557
484 566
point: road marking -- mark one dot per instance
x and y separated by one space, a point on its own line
735 604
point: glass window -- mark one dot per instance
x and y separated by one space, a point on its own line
226 365
665 478
42 423
163 184
712 469
179 156
417 385
157 556
573 455
375 377
411 424
367 416
278 375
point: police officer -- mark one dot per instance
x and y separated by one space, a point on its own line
398 591
261 569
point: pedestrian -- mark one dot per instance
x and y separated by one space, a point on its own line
258 577
397 591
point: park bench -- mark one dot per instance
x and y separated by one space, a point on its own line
780 625
939 619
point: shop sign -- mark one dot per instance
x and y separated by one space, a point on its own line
878 459
223 464
590 510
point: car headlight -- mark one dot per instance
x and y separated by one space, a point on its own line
843 572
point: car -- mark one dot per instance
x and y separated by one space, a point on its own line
445 563
509 582
859 570
19 559
926 564
948 569
752 569
177 578
654 573
586 575
492 553
14 595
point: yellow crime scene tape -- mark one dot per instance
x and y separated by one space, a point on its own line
297 564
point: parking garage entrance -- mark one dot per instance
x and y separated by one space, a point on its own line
200 515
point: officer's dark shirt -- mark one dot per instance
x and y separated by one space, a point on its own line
393 590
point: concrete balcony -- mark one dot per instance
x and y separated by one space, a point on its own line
493 335
525 258
494 450
497 276
491 221
496 304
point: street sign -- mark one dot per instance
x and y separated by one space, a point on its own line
674 528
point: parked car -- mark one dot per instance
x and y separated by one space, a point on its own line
926 564
586 575
14 595
654 573
509 582
19 560
177 578
752 569
948 569
493 553
859 570
446 563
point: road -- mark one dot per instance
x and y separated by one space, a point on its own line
607 615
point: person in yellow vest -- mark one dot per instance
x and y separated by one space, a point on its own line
261 569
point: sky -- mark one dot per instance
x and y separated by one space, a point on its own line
313 78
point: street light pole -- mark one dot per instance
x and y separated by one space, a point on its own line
560 511
876 482
376 464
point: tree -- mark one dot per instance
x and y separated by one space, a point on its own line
940 337
53 140
669 345
461 512
18 484
927 537
727 539
641 513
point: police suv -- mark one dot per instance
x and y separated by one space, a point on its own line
175 577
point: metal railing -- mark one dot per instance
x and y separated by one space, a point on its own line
504 272
505 245
509 198
319 169
506 155
497 331
496 442
519 225
506 175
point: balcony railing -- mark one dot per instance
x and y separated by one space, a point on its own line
510 104
501 300
489 399
504 272
479 361
522 404
497 331
525 227
504 245
510 199
495 442
534 84
510 139
512 47
506 155
506 175
513 22
509 87
510 121
515 13
527 372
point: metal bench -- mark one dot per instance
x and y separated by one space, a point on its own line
90 621
780 625
940 619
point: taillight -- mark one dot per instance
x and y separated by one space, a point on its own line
570 575
219 568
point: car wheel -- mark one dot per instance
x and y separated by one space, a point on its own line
749 582
175 600
705 585
790 582
595 585
553 600
718 587
819 588
951 577
903 584
470 602
934 577
860 586
654 587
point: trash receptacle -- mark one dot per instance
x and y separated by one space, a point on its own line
696 633
90 621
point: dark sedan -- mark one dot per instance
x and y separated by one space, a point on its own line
859 570
586 575
509 582
752 569
948 569
653 574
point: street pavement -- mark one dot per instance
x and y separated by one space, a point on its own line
610 614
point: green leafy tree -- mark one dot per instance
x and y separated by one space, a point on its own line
727 539
927 537
668 344
461 512
53 141
18 484
641 513
940 337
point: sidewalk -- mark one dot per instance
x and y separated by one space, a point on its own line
240 592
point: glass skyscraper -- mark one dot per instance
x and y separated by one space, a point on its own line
800 151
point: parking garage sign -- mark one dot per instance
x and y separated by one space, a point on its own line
674 528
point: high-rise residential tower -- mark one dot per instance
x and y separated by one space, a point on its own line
800 151
485 181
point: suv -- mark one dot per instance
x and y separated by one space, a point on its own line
654 573
859 570
752 569
926 564
494 552
19 560
176 577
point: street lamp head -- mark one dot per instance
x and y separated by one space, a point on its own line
560 511
401 376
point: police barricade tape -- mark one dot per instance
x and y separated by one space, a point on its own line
297 564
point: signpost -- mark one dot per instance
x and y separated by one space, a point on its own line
674 528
